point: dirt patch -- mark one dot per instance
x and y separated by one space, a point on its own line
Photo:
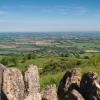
8 46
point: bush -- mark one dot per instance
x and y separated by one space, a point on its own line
61 65
86 57
31 56
4 61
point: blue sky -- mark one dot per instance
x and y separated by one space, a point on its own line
49 15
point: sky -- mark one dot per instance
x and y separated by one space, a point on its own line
49 15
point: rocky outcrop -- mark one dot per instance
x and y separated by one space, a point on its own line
50 93
13 84
2 68
32 79
74 95
34 96
32 83
72 87
70 81
90 86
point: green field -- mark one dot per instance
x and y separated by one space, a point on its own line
53 53
52 68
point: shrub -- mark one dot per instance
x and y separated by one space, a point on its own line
4 61
60 65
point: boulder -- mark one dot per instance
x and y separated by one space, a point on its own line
70 81
74 95
32 82
34 96
32 79
2 68
13 84
50 93
90 86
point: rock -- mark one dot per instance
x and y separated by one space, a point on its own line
34 96
13 84
32 83
2 68
50 93
70 81
74 95
32 79
90 86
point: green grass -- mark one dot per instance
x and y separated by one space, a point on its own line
85 69
87 45
51 77
40 62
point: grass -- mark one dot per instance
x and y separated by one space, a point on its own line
40 62
85 69
55 76
87 45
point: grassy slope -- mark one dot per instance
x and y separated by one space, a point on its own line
51 78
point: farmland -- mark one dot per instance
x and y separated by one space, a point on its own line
21 42
53 53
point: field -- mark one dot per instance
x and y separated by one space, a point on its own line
53 53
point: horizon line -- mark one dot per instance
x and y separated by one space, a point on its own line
44 31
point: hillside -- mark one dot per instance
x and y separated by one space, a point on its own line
17 86
53 53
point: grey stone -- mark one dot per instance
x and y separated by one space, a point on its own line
32 79
50 93
70 81
32 83
90 86
2 68
13 84
34 96
74 95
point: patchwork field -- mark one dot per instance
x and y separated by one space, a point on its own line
53 53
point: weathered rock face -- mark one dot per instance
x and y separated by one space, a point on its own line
74 95
2 68
34 96
50 93
32 83
14 87
90 86
32 79
13 84
70 81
